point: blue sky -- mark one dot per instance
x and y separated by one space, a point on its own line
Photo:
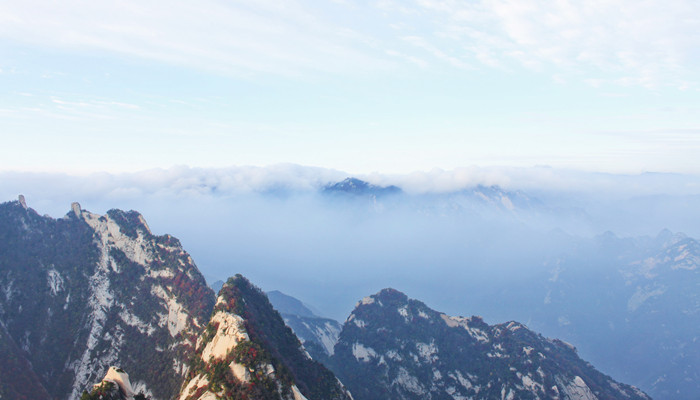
359 86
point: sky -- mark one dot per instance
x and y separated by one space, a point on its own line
359 86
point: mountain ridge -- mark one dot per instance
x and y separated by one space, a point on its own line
414 352
247 351
86 290
117 292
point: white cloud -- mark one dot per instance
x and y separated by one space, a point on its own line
185 182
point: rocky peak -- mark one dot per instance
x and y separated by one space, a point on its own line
246 351
131 222
391 297
22 201
121 378
106 284
75 207
114 386
398 348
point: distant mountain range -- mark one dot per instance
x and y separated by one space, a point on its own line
319 335
86 292
478 202
643 297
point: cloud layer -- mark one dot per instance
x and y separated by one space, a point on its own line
270 224
283 179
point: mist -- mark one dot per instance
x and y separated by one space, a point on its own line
445 239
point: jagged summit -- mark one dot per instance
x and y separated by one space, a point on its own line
22 201
107 285
248 352
392 295
394 347
114 386
77 210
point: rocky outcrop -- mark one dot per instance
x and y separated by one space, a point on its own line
114 386
246 352
398 348
87 291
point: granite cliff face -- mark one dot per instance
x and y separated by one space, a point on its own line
87 291
246 352
392 347
116 385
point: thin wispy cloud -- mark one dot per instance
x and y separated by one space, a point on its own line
639 43
648 44
231 37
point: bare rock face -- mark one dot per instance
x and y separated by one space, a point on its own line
22 202
114 386
75 207
120 378
246 352
88 291
393 347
